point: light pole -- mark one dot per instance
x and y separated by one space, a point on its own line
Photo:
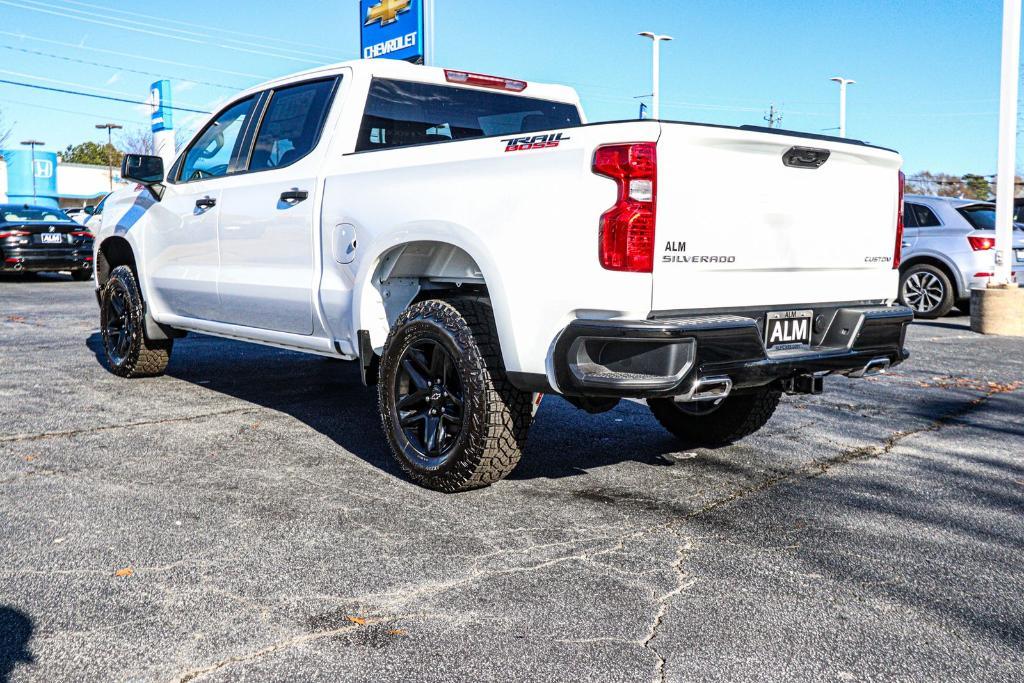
1007 142
843 82
110 146
32 145
656 72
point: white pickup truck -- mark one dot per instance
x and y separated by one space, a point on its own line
473 244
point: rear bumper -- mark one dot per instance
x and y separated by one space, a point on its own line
36 259
663 357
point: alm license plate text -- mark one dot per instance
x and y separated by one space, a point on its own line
51 238
789 329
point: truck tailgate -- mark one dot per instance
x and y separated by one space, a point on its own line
738 227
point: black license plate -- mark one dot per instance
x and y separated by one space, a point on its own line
789 329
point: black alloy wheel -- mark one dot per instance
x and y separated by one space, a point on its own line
430 401
118 326
129 352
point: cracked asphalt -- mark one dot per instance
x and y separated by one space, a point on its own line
875 532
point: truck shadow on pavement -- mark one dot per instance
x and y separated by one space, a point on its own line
15 633
328 396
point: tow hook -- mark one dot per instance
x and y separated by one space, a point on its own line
812 384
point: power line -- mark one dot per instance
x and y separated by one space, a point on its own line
134 13
150 32
23 36
118 68
78 85
98 97
135 122
160 21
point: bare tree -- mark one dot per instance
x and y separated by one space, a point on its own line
140 141
5 131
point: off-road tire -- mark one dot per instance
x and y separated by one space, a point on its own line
947 297
738 416
496 416
144 357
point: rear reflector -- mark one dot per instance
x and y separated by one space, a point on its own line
981 243
626 238
984 275
484 81
898 253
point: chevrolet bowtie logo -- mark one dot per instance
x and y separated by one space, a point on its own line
386 11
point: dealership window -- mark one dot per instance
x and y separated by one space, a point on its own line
291 126
399 113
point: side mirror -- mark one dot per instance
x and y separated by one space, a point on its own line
142 168
146 170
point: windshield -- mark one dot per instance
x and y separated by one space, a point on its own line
32 214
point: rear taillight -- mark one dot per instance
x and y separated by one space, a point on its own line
14 233
981 243
898 253
484 81
82 233
626 240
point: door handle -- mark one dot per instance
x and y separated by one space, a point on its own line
294 196
905 245
206 203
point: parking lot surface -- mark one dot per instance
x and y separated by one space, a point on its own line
241 519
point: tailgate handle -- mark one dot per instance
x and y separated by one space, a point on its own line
805 157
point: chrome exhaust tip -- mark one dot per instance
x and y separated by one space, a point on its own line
875 366
707 389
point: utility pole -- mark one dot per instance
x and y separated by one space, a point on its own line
110 147
32 145
773 117
843 82
656 71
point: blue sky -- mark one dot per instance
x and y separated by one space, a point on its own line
927 72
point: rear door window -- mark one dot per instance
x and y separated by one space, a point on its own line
401 113
922 216
292 123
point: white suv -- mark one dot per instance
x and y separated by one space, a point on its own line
948 248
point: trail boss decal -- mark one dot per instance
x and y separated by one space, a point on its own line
675 253
535 142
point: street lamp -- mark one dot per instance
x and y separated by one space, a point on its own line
656 71
110 146
32 145
843 82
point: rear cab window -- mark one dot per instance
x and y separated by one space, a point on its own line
403 113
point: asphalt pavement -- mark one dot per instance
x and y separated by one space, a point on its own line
241 519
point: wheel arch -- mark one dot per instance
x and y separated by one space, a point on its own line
950 271
114 251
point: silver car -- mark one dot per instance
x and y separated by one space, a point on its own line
948 248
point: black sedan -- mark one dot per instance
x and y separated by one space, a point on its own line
36 238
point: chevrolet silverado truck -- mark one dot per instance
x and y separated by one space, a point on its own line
473 244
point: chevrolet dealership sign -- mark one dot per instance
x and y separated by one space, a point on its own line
393 29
